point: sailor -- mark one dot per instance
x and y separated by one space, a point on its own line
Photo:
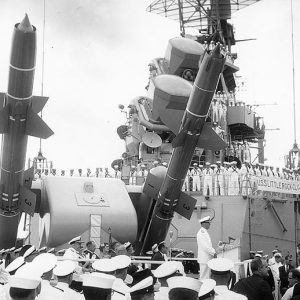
206 291
101 173
277 173
64 273
183 288
233 179
271 171
143 289
272 259
275 271
121 263
207 180
225 279
97 286
186 184
163 273
219 179
243 178
74 253
89 253
117 173
142 173
226 177
133 174
263 170
24 286
205 249
257 169
195 174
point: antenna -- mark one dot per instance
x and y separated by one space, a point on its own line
293 56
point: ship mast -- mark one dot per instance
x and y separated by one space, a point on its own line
293 161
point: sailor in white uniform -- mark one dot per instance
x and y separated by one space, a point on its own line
205 250
207 180
233 179
195 173
219 179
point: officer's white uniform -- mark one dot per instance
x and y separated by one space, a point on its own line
219 181
205 250
244 182
195 173
207 180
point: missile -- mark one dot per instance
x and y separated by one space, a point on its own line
18 119
194 132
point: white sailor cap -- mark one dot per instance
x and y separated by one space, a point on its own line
206 288
18 250
141 285
116 166
201 166
29 268
15 264
155 162
195 164
278 254
42 249
154 247
220 265
46 261
257 254
101 281
64 268
104 265
164 163
28 281
29 251
76 239
61 251
213 166
121 261
275 251
184 282
149 252
233 162
143 166
51 250
12 249
127 245
166 269
218 162
207 163
205 220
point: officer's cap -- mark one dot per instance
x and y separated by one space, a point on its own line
220 265
64 268
121 261
184 282
205 220
127 245
29 268
143 284
206 288
77 239
15 264
166 269
104 265
46 261
101 281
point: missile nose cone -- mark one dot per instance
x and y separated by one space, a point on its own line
25 24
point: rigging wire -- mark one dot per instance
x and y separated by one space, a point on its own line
43 60
293 56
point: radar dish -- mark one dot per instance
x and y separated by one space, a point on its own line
152 139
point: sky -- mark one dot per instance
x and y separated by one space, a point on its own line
96 57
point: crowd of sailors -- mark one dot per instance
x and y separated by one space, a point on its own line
218 179
110 272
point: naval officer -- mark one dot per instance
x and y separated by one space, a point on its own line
205 250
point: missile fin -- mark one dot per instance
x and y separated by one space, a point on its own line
152 185
185 205
4 117
28 177
210 140
35 126
38 103
27 200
